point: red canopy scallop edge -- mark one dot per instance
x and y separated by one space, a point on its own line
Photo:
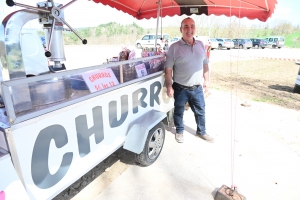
146 9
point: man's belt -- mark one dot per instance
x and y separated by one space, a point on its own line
186 87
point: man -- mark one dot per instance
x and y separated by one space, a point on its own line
187 61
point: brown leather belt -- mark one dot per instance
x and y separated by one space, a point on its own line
186 87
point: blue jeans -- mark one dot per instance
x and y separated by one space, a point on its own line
196 100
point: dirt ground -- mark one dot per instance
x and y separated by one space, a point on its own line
262 80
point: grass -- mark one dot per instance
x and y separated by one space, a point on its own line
289 40
267 99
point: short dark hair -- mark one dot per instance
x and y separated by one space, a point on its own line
183 20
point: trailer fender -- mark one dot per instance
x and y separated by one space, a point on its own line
138 130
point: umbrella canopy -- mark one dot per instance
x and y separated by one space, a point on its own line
146 9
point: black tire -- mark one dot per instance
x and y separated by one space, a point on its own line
263 47
273 46
153 145
241 46
228 48
220 46
279 47
256 46
139 46
248 47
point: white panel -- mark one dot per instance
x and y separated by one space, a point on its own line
24 135
10 184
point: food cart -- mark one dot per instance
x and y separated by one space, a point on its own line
58 124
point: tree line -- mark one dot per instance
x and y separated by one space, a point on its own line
115 33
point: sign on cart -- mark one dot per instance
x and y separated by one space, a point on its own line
100 79
141 70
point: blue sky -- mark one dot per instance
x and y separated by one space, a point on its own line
84 13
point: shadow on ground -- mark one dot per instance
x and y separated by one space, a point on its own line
121 154
282 88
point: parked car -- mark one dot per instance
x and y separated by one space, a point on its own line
258 43
148 40
214 43
242 43
173 40
275 41
225 43
43 41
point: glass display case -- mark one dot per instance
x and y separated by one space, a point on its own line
26 98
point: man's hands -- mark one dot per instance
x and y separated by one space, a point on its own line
205 86
206 78
170 91
168 79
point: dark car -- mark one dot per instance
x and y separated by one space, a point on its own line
258 43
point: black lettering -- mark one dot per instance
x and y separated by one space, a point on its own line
154 94
39 162
113 121
138 102
84 133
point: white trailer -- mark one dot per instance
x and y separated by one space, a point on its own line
55 127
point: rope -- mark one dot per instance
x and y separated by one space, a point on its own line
233 105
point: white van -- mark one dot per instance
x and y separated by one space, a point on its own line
275 41
204 39
33 52
148 40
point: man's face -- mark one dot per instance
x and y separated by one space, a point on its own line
188 29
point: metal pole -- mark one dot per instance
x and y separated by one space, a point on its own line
157 22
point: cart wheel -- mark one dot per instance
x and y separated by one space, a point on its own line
153 146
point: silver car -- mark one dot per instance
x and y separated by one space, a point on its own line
225 43
242 43
213 43
275 42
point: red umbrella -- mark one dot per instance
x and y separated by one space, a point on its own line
146 9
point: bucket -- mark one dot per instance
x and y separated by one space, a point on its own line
297 84
77 83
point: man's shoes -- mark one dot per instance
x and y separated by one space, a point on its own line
179 137
205 137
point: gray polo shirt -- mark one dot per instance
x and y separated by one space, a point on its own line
187 62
